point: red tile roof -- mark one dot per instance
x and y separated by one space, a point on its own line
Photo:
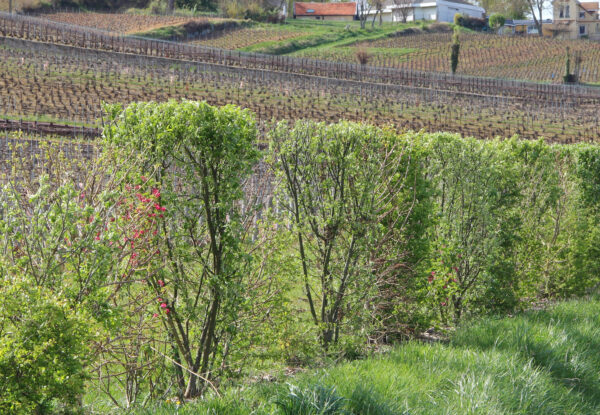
589 6
325 9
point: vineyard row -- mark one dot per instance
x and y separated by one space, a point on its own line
31 28
54 82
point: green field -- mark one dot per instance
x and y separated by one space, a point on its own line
538 362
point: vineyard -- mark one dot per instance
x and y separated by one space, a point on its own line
242 38
74 82
521 57
76 69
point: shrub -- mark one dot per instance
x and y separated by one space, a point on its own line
497 21
200 156
458 19
455 51
363 56
473 23
43 349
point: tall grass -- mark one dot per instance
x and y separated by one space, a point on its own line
539 362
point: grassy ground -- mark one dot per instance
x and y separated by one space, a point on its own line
539 362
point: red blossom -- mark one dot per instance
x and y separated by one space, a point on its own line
167 311
155 315
155 192
163 305
161 283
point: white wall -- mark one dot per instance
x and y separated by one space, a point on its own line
426 13
447 10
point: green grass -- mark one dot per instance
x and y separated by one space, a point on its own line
324 34
180 31
539 362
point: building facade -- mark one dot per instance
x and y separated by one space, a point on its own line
432 10
574 19
326 11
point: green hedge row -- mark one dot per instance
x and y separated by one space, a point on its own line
162 271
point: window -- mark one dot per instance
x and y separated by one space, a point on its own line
567 12
582 30
582 15
561 14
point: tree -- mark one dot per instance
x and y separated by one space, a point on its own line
536 8
378 11
512 9
404 8
199 156
338 183
364 8
170 6
477 228
496 21
455 50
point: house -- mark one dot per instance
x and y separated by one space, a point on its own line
326 11
525 27
435 10
574 19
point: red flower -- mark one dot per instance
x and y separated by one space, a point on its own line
144 178
163 305
443 304
155 315
155 192
167 311
160 300
161 283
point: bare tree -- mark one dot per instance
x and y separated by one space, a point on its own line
536 7
378 11
9 6
404 7
171 6
364 8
